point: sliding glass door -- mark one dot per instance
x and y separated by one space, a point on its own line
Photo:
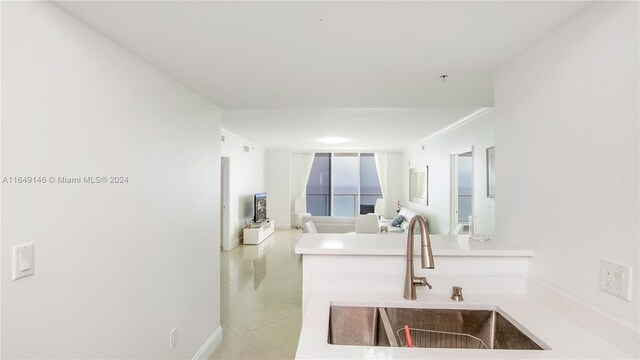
342 184
345 184
461 187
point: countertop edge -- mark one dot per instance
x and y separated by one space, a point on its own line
396 252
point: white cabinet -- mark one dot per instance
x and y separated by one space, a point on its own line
257 233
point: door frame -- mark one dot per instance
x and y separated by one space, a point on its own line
453 205
225 176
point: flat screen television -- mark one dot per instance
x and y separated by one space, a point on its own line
260 207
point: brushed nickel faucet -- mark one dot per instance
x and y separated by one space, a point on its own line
410 280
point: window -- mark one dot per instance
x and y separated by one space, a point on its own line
342 184
345 184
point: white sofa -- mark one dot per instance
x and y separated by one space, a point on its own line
343 225
408 215
332 224
361 224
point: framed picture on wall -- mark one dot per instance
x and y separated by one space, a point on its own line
419 185
491 172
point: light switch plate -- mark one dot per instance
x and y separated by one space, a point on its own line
615 278
173 338
22 261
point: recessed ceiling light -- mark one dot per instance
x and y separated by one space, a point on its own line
333 140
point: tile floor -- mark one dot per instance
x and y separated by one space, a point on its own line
261 299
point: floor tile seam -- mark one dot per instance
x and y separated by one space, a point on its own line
251 294
241 291
246 293
228 337
251 347
262 354
282 291
249 303
274 310
229 310
291 318
263 302
284 317
238 334
236 307
273 323
256 350
294 292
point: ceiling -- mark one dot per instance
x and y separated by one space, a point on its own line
363 129
329 55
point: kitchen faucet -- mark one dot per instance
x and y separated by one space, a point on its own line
411 281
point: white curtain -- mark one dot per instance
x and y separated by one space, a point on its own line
381 167
305 171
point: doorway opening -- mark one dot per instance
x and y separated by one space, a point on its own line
461 190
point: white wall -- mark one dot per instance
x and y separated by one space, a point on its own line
478 132
278 179
567 147
296 168
247 177
117 266
395 182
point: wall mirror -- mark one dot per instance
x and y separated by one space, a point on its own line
418 185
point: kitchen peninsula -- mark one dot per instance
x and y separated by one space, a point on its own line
368 270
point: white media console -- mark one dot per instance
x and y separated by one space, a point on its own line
258 232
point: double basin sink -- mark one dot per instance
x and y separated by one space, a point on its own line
427 328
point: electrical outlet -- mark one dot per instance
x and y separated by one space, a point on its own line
173 340
615 279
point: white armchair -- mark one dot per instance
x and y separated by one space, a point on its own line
367 224
309 228
456 229
300 210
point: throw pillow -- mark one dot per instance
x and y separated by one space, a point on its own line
397 220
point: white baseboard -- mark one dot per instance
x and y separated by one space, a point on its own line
235 242
283 226
611 328
210 345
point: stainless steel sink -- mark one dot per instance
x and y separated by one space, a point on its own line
429 328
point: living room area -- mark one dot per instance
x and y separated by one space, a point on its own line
335 186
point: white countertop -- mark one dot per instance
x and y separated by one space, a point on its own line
395 244
560 337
